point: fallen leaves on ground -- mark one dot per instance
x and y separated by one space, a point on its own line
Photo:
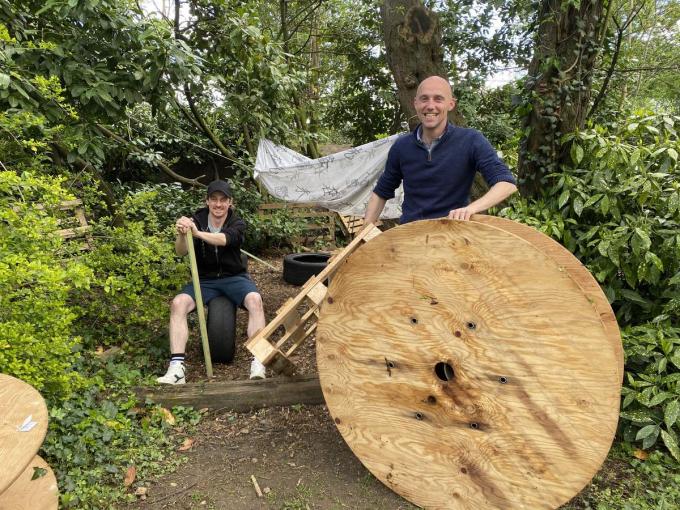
130 476
167 416
187 444
640 454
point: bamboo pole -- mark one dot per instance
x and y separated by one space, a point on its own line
258 259
199 304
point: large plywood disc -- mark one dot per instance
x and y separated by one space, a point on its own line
469 368
23 425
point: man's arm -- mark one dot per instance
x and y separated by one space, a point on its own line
375 207
496 194
185 224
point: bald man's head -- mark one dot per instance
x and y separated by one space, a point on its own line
433 102
437 82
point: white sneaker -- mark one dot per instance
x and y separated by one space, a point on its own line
257 370
176 374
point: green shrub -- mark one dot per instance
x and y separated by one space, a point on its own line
158 205
617 208
96 435
271 231
36 339
136 273
651 403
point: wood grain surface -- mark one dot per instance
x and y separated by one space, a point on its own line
468 369
27 494
577 271
18 401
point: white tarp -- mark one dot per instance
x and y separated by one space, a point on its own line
340 182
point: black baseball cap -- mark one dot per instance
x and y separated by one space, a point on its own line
222 186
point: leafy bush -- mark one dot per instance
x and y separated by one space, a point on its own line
136 273
96 435
36 341
158 205
651 403
275 230
617 208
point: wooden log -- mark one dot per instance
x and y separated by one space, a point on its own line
468 369
241 396
31 492
23 425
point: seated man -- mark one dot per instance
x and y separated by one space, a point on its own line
218 233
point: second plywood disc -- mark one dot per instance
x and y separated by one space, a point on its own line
466 369
23 425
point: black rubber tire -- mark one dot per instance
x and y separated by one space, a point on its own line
221 326
300 267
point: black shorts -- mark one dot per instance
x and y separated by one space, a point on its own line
235 288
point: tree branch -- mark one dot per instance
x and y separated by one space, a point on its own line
204 125
165 168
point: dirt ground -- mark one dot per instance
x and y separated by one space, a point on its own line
295 454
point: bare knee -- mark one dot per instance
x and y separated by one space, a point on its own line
181 304
253 302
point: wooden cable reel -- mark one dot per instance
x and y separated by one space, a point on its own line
471 365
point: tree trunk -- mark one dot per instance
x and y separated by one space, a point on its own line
413 46
558 86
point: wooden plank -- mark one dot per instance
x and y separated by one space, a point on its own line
301 338
28 494
316 292
23 424
241 396
70 233
467 369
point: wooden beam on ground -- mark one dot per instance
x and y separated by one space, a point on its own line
241 396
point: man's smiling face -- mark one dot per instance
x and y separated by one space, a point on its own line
433 102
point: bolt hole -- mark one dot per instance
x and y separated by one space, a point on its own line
444 371
432 399
474 425
471 325
390 364
419 416
502 379
414 320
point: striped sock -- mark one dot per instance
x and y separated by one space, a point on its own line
177 358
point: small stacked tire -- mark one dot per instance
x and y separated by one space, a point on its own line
300 267
221 326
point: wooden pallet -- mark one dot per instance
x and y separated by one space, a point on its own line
296 320
75 226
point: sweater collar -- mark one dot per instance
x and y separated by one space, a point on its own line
416 133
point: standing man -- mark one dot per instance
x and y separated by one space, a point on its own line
218 233
437 163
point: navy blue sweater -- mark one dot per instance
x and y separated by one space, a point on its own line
438 181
